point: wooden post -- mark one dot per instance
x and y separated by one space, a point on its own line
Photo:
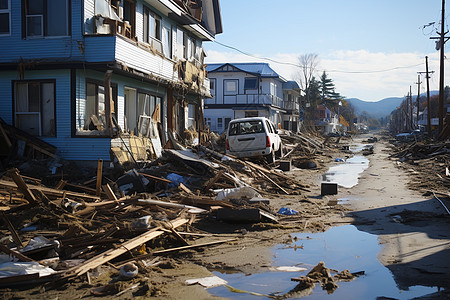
99 177
108 101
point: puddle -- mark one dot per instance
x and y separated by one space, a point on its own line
346 174
342 247
355 148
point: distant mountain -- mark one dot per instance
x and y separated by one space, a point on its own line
382 108
379 109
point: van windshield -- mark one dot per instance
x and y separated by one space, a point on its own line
246 127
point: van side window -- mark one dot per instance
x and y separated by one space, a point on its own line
234 128
269 127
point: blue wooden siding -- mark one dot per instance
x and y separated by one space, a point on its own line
15 48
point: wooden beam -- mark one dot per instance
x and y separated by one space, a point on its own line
108 191
155 178
192 246
22 186
16 254
51 191
11 228
99 177
61 184
123 248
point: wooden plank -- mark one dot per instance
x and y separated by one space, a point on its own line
11 228
213 180
155 178
185 189
16 254
61 184
109 193
192 246
22 186
123 248
52 191
99 177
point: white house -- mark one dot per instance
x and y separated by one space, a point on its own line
243 90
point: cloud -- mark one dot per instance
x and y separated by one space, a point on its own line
370 76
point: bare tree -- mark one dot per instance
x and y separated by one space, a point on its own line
308 64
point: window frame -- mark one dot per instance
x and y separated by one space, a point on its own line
228 93
157 26
252 87
212 90
114 94
8 12
44 23
40 112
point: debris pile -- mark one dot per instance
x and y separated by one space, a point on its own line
427 162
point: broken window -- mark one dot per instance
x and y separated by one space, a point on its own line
34 107
45 18
5 13
91 111
146 106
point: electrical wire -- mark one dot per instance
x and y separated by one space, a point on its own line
302 66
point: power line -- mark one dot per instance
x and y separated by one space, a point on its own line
301 66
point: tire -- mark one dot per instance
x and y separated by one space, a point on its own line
279 153
270 157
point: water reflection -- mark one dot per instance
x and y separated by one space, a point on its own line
340 248
346 174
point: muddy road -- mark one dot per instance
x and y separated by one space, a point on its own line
377 225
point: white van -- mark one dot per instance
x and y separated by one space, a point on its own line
250 137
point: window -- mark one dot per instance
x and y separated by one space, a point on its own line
191 116
167 41
189 47
251 83
246 127
180 44
212 86
5 12
227 122
152 26
251 114
219 124
34 107
230 87
91 113
45 18
273 89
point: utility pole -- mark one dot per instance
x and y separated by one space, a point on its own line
440 46
428 98
418 100
428 94
411 109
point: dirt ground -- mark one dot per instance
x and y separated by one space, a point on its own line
413 228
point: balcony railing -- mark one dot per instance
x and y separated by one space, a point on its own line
291 105
264 99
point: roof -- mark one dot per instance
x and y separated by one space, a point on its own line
257 69
290 85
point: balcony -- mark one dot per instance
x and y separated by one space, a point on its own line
265 99
291 105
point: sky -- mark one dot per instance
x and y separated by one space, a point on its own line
371 49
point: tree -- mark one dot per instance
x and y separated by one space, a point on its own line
326 87
308 65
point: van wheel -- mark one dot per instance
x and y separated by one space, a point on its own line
270 157
279 153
